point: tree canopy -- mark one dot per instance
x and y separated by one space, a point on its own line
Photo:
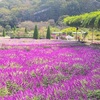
85 20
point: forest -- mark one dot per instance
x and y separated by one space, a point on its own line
13 12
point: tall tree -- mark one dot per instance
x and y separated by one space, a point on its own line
48 36
14 29
35 35
4 33
26 31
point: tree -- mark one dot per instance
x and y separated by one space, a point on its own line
4 33
88 20
35 36
1 29
26 31
48 33
14 29
8 28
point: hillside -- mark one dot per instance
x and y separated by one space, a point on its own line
13 12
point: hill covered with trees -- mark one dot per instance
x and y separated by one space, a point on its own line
12 12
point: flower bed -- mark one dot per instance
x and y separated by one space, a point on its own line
54 71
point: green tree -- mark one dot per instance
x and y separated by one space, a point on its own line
14 29
35 36
26 31
48 36
4 33
8 28
88 20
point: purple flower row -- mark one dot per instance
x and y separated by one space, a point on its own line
56 71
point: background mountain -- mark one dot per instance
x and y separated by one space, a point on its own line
12 12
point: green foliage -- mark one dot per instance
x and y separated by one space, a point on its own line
8 28
12 87
13 12
36 98
35 36
73 8
1 29
48 36
97 22
86 20
90 19
94 94
4 33
3 92
54 29
69 30
14 29
26 31
75 20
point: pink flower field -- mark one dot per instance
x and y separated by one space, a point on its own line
49 70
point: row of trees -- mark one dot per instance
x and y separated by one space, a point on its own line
88 20
35 34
